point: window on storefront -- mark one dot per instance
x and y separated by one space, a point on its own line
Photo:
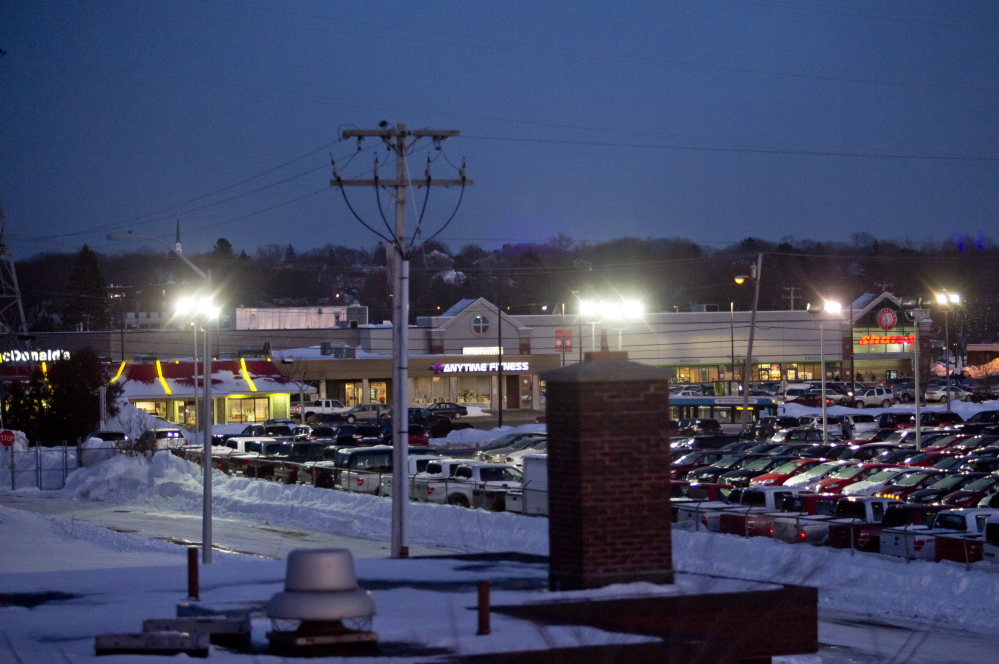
378 392
155 408
249 409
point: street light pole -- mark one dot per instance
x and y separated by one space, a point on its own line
757 273
829 308
206 508
917 316
947 302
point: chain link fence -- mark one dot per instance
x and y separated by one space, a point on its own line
38 467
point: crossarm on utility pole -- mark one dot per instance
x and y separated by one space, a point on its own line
401 183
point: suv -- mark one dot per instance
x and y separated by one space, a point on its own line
873 397
166 438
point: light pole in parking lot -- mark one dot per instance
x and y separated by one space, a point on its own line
947 302
917 316
205 308
834 309
755 275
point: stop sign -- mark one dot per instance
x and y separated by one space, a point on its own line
7 437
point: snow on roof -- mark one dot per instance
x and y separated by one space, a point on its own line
458 307
176 378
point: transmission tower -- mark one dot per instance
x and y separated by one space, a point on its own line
11 310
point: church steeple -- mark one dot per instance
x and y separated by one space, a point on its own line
177 246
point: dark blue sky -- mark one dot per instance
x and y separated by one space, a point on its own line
662 118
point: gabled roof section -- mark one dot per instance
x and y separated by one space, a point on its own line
467 307
872 302
458 307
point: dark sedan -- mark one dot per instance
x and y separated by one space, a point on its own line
741 476
692 461
973 492
713 472
943 486
448 409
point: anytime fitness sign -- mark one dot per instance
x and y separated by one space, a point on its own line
479 367
23 356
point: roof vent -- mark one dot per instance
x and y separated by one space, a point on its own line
321 595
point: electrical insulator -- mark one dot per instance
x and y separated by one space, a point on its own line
360 139
428 167
462 168
376 167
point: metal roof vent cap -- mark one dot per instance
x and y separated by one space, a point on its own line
321 593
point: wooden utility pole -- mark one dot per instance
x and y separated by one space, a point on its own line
397 253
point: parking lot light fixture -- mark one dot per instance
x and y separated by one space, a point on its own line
947 302
206 506
829 308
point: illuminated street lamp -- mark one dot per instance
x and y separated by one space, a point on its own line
830 308
947 302
206 507
618 314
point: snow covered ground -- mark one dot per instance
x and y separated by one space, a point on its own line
873 609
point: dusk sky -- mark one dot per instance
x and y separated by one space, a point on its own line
708 119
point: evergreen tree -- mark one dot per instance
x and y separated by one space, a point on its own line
86 295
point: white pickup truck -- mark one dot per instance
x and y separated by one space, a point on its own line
857 522
417 464
533 495
318 406
743 503
919 542
475 485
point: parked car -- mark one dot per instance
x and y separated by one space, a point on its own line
359 435
367 411
876 482
161 438
844 476
972 493
977 422
766 427
955 393
943 486
448 409
873 397
705 441
499 454
932 418
910 483
714 471
783 472
852 425
697 425
688 461
740 477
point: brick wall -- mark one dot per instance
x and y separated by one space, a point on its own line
608 475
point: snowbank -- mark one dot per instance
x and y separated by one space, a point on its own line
26 463
465 438
170 482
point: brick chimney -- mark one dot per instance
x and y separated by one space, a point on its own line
608 473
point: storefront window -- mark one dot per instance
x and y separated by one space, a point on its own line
378 392
475 389
155 408
353 394
250 409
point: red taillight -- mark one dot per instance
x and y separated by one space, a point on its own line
918 544
771 531
802 535
360 481
430 490
246 462
704 520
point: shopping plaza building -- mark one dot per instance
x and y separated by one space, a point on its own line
463 354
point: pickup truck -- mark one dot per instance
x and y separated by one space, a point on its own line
325 406
230 457
532 498
435 471
804 519
480 485
919 542
417 464
990 548
857 522
742 502
295 457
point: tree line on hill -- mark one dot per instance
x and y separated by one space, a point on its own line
66 292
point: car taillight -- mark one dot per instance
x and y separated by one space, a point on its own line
430 490
918 544
704 520
360 481
801 534
246 462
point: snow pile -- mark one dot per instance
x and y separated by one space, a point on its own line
962 408
133 422
170 482
860 583
465 438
